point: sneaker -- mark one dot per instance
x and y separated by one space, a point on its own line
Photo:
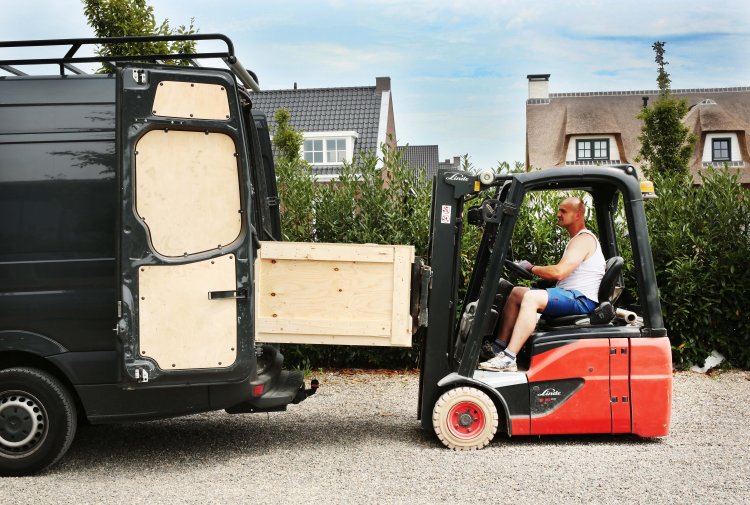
500 363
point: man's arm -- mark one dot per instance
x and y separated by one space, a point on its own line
579 249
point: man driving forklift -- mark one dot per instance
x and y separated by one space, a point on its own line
578 275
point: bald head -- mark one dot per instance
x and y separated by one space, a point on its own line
570 214
575 204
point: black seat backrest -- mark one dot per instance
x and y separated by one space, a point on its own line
611 279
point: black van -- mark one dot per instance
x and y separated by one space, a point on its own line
132 205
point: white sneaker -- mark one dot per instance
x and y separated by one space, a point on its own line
500 363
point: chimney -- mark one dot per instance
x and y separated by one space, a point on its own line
538 85
382 84
295 85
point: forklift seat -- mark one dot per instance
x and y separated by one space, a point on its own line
609 291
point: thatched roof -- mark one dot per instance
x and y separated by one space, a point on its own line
551 123
709 116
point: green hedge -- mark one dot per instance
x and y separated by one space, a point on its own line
700 237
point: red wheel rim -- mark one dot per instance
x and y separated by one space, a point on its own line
466 420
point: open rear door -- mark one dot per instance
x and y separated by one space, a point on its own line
185 248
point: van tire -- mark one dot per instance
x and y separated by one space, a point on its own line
37 420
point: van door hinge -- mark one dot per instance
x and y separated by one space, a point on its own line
272 201
139 75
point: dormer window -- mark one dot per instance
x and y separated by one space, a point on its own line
328 148
721 149
592 149
596 149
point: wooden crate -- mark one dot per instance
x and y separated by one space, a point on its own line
342 294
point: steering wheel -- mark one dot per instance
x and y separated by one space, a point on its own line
518 270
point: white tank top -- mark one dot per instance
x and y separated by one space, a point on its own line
588 276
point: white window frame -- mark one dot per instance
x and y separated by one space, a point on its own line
348 136
571 155
734 147
592 148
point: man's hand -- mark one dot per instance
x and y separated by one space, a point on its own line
526 265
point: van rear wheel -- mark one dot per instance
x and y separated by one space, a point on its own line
465 418
37 420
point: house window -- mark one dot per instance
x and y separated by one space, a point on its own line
335 150
313 150
329 148
721 149
324 151
592 149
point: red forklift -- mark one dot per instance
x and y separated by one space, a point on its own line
596 373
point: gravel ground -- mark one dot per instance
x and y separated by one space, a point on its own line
358 441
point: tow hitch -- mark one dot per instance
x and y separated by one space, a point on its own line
305 393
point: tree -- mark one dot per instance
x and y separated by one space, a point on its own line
287 140
121 18
666 143
295 181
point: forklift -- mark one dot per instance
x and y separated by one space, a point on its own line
596 373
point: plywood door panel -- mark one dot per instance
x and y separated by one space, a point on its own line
180 328
191 100
187 190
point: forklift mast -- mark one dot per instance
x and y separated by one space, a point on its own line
450 190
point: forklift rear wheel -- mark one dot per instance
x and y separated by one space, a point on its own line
465 418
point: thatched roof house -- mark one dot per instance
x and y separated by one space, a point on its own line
601 127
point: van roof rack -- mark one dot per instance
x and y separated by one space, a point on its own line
66 62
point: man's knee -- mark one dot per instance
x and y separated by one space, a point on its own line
536 298
518 293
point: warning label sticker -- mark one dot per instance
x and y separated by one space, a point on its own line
445 216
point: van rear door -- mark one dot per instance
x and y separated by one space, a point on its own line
185 244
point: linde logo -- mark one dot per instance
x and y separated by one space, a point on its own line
550 392
457 177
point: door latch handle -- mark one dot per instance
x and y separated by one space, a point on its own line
239 294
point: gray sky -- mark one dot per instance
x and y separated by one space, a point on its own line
458 68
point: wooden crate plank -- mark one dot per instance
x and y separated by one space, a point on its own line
400 317
323 327
303 289
369 253
270 338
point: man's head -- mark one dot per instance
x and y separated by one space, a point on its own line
570 214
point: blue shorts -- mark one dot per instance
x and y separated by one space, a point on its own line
565 302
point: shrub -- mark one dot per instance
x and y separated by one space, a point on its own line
700 237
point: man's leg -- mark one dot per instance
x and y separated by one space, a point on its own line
510 313
534 301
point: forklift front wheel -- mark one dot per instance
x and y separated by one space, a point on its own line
465 418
